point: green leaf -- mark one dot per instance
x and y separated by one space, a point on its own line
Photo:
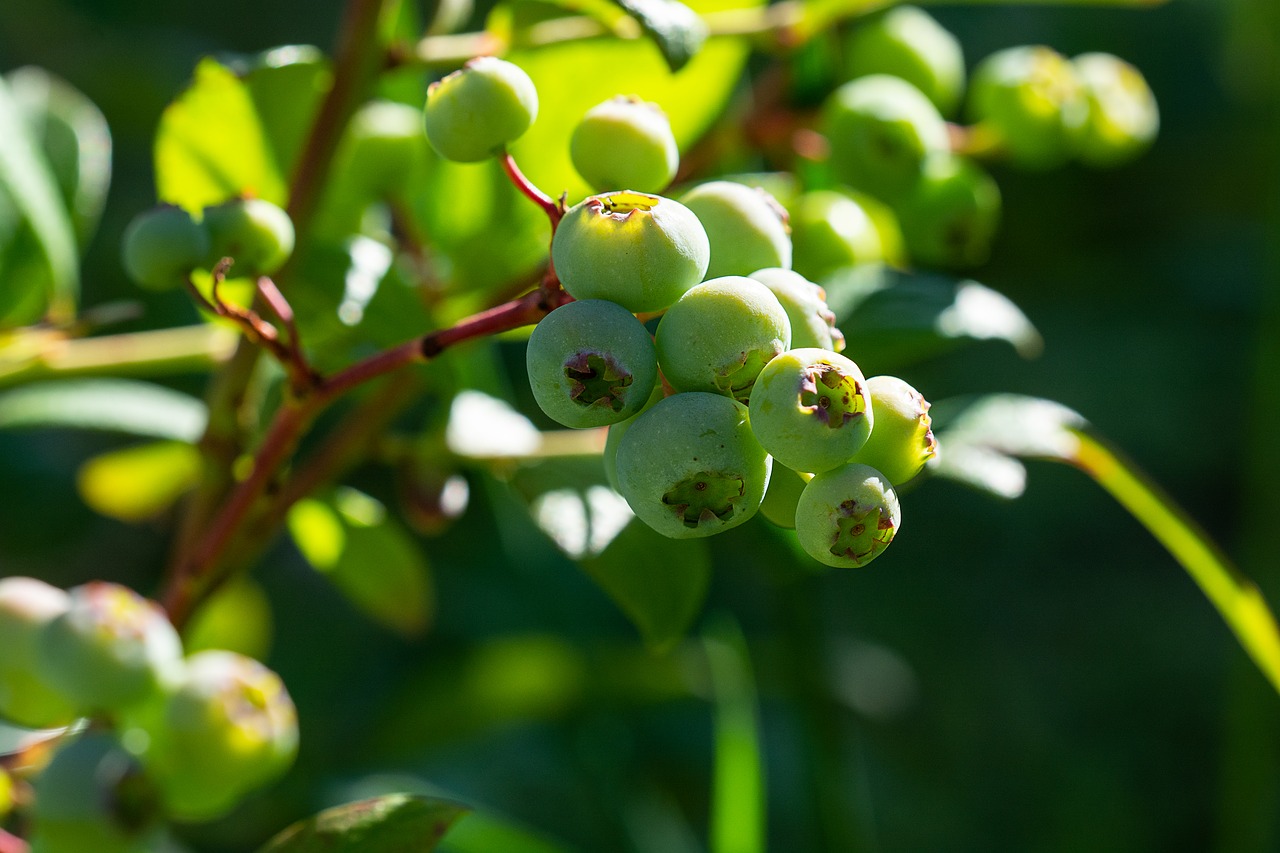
30 190
374 561
479 832
138 483
116 405
675 28
660 583
74 138
236 617
1009 425
738 790
286 85
212 145
396 823
892 319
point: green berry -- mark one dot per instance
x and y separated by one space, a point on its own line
848 516
94 797
28 605
474 112
908 42
783 495
951 217
385 147
746 226
812 322
617 431
641 251
720 335
162 246
830 232
902 440
228 727
256 234
1030 99
810 409
882 130
591 363
625 143
690 466
110 649
1123 118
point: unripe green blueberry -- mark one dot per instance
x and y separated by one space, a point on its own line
385 146
111 648
625 143
690 466
829 232
810 409
1031 100
27 606
847 516
746 226
617 431
228 727
475 111
162 246
256 234
881 130
951 217
908 42
783 495
902 440
591 363
641 251
1123 118
94 797
720 335
812 322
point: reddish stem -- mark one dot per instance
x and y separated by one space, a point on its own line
12 843
204 570
550 206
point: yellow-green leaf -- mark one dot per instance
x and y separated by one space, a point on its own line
139 482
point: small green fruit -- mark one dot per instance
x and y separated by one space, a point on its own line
112 648
830 232
228 727
902 440
951 217
882 130
690 467
848 516
385 147
720 335
162 246
640 251
908 42
591 363
810 409
1123 118
812 322
617 431
625 143
94 797
783 495
256 234
27 606
746 226
1031 100
475 111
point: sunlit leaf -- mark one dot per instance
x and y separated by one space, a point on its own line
236 617
29 191
675 28
286 85
396 823
116 405
479 832
985 430
211 144
374 561
481 426
892 318
73 135
738 789
140 482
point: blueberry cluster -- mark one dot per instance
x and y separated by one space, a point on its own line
185 738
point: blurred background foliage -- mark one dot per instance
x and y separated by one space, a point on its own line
1036 675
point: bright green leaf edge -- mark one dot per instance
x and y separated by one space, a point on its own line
388 824
738 794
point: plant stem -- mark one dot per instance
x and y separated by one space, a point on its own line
12 843
547 203
201 572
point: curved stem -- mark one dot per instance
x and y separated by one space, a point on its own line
550 206
12 843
